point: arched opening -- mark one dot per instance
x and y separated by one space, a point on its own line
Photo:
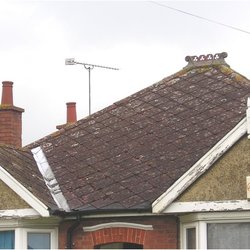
119 245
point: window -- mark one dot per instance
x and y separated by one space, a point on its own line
38 240
27 238
191 238
237 235
7 239
224 230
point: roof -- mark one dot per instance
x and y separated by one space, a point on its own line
20 164
126 155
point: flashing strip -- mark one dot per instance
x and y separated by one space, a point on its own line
200 167
49 178
26 195
117 224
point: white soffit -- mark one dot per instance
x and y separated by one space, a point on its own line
200 167
19 213
24 193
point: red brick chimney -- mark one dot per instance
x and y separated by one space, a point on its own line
10 118
71 114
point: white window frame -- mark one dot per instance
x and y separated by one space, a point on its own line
53 236
183 234
21 233
200 221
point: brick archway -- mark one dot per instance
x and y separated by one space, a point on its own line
110 235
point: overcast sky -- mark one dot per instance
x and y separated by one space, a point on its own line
146 41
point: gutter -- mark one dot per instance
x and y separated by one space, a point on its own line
102 213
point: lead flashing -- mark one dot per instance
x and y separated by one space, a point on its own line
49 178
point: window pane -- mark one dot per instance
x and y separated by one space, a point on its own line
228 235
7 239
191 238
38 240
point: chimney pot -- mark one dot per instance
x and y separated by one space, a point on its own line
7 96
71 112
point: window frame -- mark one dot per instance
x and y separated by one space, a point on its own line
53 236
200 221
185 227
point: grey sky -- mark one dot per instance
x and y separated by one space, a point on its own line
146 41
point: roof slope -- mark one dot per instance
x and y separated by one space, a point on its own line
21 165
128 154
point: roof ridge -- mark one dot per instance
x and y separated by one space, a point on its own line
206 60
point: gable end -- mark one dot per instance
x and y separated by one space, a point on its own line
26 195
199 167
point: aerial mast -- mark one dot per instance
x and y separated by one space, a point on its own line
89 67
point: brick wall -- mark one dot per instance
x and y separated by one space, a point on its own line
163 236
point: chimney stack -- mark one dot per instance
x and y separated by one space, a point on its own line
71 115
10 118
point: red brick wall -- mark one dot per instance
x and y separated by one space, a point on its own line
163 236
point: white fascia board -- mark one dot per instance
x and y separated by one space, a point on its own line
225 217
208 206
200 167
19 213
24 193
